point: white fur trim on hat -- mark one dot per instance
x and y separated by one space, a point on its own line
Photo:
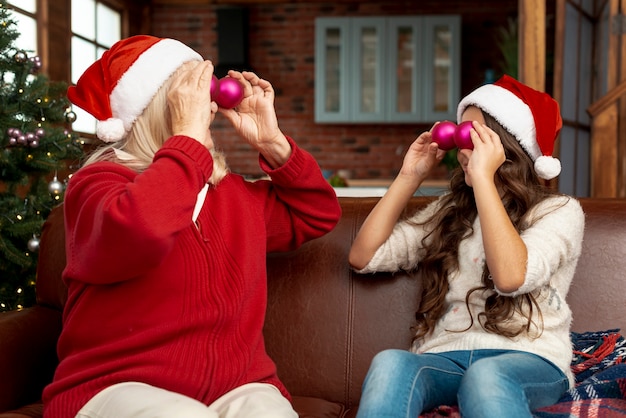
142 80
110 130
509 110
547 167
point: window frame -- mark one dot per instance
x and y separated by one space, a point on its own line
99 48
40 36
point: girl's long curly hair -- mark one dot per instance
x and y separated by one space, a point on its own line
521 189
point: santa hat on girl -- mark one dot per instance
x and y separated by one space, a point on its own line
119 86
531 116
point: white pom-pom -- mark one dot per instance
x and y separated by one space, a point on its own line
547 167
110 130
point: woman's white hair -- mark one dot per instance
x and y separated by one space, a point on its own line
147 135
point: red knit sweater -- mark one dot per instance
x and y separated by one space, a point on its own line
156 298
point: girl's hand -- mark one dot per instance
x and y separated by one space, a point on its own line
422 156
255 118
189 101
488 154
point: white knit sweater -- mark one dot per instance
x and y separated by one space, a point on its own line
554 243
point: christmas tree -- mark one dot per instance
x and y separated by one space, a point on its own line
37 148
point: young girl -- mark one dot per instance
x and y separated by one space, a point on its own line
166 247
495 255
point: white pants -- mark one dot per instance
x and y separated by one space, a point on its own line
139 400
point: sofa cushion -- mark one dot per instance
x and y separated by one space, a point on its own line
309 407
29 411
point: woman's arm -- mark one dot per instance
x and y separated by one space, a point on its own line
256 121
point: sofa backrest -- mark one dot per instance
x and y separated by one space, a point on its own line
325 322
51 290
598 292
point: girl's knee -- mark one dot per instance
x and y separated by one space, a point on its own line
390 359
487 379
387 369
482 373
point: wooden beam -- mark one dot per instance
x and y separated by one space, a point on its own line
532 43
607 100
559 54
621 128
604 152
178 2
237 2
559 51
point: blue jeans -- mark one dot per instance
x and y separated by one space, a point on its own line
483 383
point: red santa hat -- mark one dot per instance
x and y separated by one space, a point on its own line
531 116
119 86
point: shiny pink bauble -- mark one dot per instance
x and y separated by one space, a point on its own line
230 93
462 137
215 87
443 135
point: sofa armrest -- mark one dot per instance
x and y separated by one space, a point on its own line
28 358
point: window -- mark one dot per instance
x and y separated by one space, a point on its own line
387 69
25 15
95 28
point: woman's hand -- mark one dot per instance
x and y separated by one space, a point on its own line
189 101
255 118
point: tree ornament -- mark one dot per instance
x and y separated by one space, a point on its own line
33 244
14 132
36 61
55 187
20 56
31 104
70 117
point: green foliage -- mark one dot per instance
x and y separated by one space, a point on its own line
337 181
508 45
449 160
29 187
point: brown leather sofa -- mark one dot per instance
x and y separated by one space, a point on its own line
324 322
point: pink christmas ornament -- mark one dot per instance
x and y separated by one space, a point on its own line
215 88
443 135
230 93
462 137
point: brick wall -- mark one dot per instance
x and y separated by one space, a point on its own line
281 49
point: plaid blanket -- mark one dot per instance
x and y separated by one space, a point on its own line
599 366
